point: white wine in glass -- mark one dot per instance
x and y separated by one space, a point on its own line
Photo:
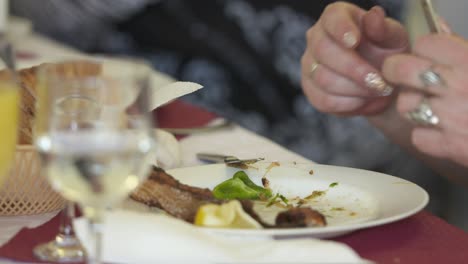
94 135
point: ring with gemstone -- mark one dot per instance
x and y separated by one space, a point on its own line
424 115
431 77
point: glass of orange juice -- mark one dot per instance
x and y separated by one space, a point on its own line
9 108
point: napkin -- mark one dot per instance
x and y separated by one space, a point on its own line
164 91
11 225
164 94
136 237
167 150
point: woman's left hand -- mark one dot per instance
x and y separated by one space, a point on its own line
434 79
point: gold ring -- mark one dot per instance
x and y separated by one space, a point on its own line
313 67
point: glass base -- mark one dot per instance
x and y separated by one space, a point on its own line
62 249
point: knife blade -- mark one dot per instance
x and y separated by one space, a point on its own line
217 158
431 16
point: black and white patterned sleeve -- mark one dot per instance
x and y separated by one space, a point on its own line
394 8
67 19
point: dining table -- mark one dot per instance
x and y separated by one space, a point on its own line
420 238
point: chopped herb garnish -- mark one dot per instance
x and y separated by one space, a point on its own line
337 209
277 199
315 194
265 183
300 203
333 184
272 200
284 199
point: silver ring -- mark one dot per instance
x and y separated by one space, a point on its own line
423 115
313 67
431 78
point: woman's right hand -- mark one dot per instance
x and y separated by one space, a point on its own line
342 62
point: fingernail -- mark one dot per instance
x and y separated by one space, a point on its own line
349 39
378 10
377 83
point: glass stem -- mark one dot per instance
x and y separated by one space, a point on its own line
65 247
95 228
66 218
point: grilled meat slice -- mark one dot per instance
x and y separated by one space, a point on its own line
179 200
161 190
300 217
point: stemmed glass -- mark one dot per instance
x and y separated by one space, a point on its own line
66 247
94 134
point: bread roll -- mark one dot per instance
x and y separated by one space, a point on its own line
28 83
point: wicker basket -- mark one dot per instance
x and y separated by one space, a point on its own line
26 191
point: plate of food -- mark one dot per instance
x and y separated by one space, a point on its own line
281 199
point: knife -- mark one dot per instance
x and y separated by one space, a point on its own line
217 158
431 17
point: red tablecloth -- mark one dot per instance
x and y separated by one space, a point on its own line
422 238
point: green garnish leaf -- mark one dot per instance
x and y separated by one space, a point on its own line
240 187
266 193
234 189
333 184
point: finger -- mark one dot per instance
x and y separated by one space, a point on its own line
417 109
333 83
408 101
441 144
341 22
384 32
329 103
443 49
347 63
430 141
418 73
452 112
444 25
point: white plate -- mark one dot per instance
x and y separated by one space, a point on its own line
361 199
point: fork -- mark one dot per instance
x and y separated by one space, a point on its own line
7 55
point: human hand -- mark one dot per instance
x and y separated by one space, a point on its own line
345 51
436 71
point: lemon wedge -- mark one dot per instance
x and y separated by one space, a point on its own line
227 215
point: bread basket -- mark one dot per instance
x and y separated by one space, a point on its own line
26 191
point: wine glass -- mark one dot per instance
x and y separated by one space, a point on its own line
66 247
94 134
9 107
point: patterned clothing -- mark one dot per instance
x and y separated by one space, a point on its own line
247 56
